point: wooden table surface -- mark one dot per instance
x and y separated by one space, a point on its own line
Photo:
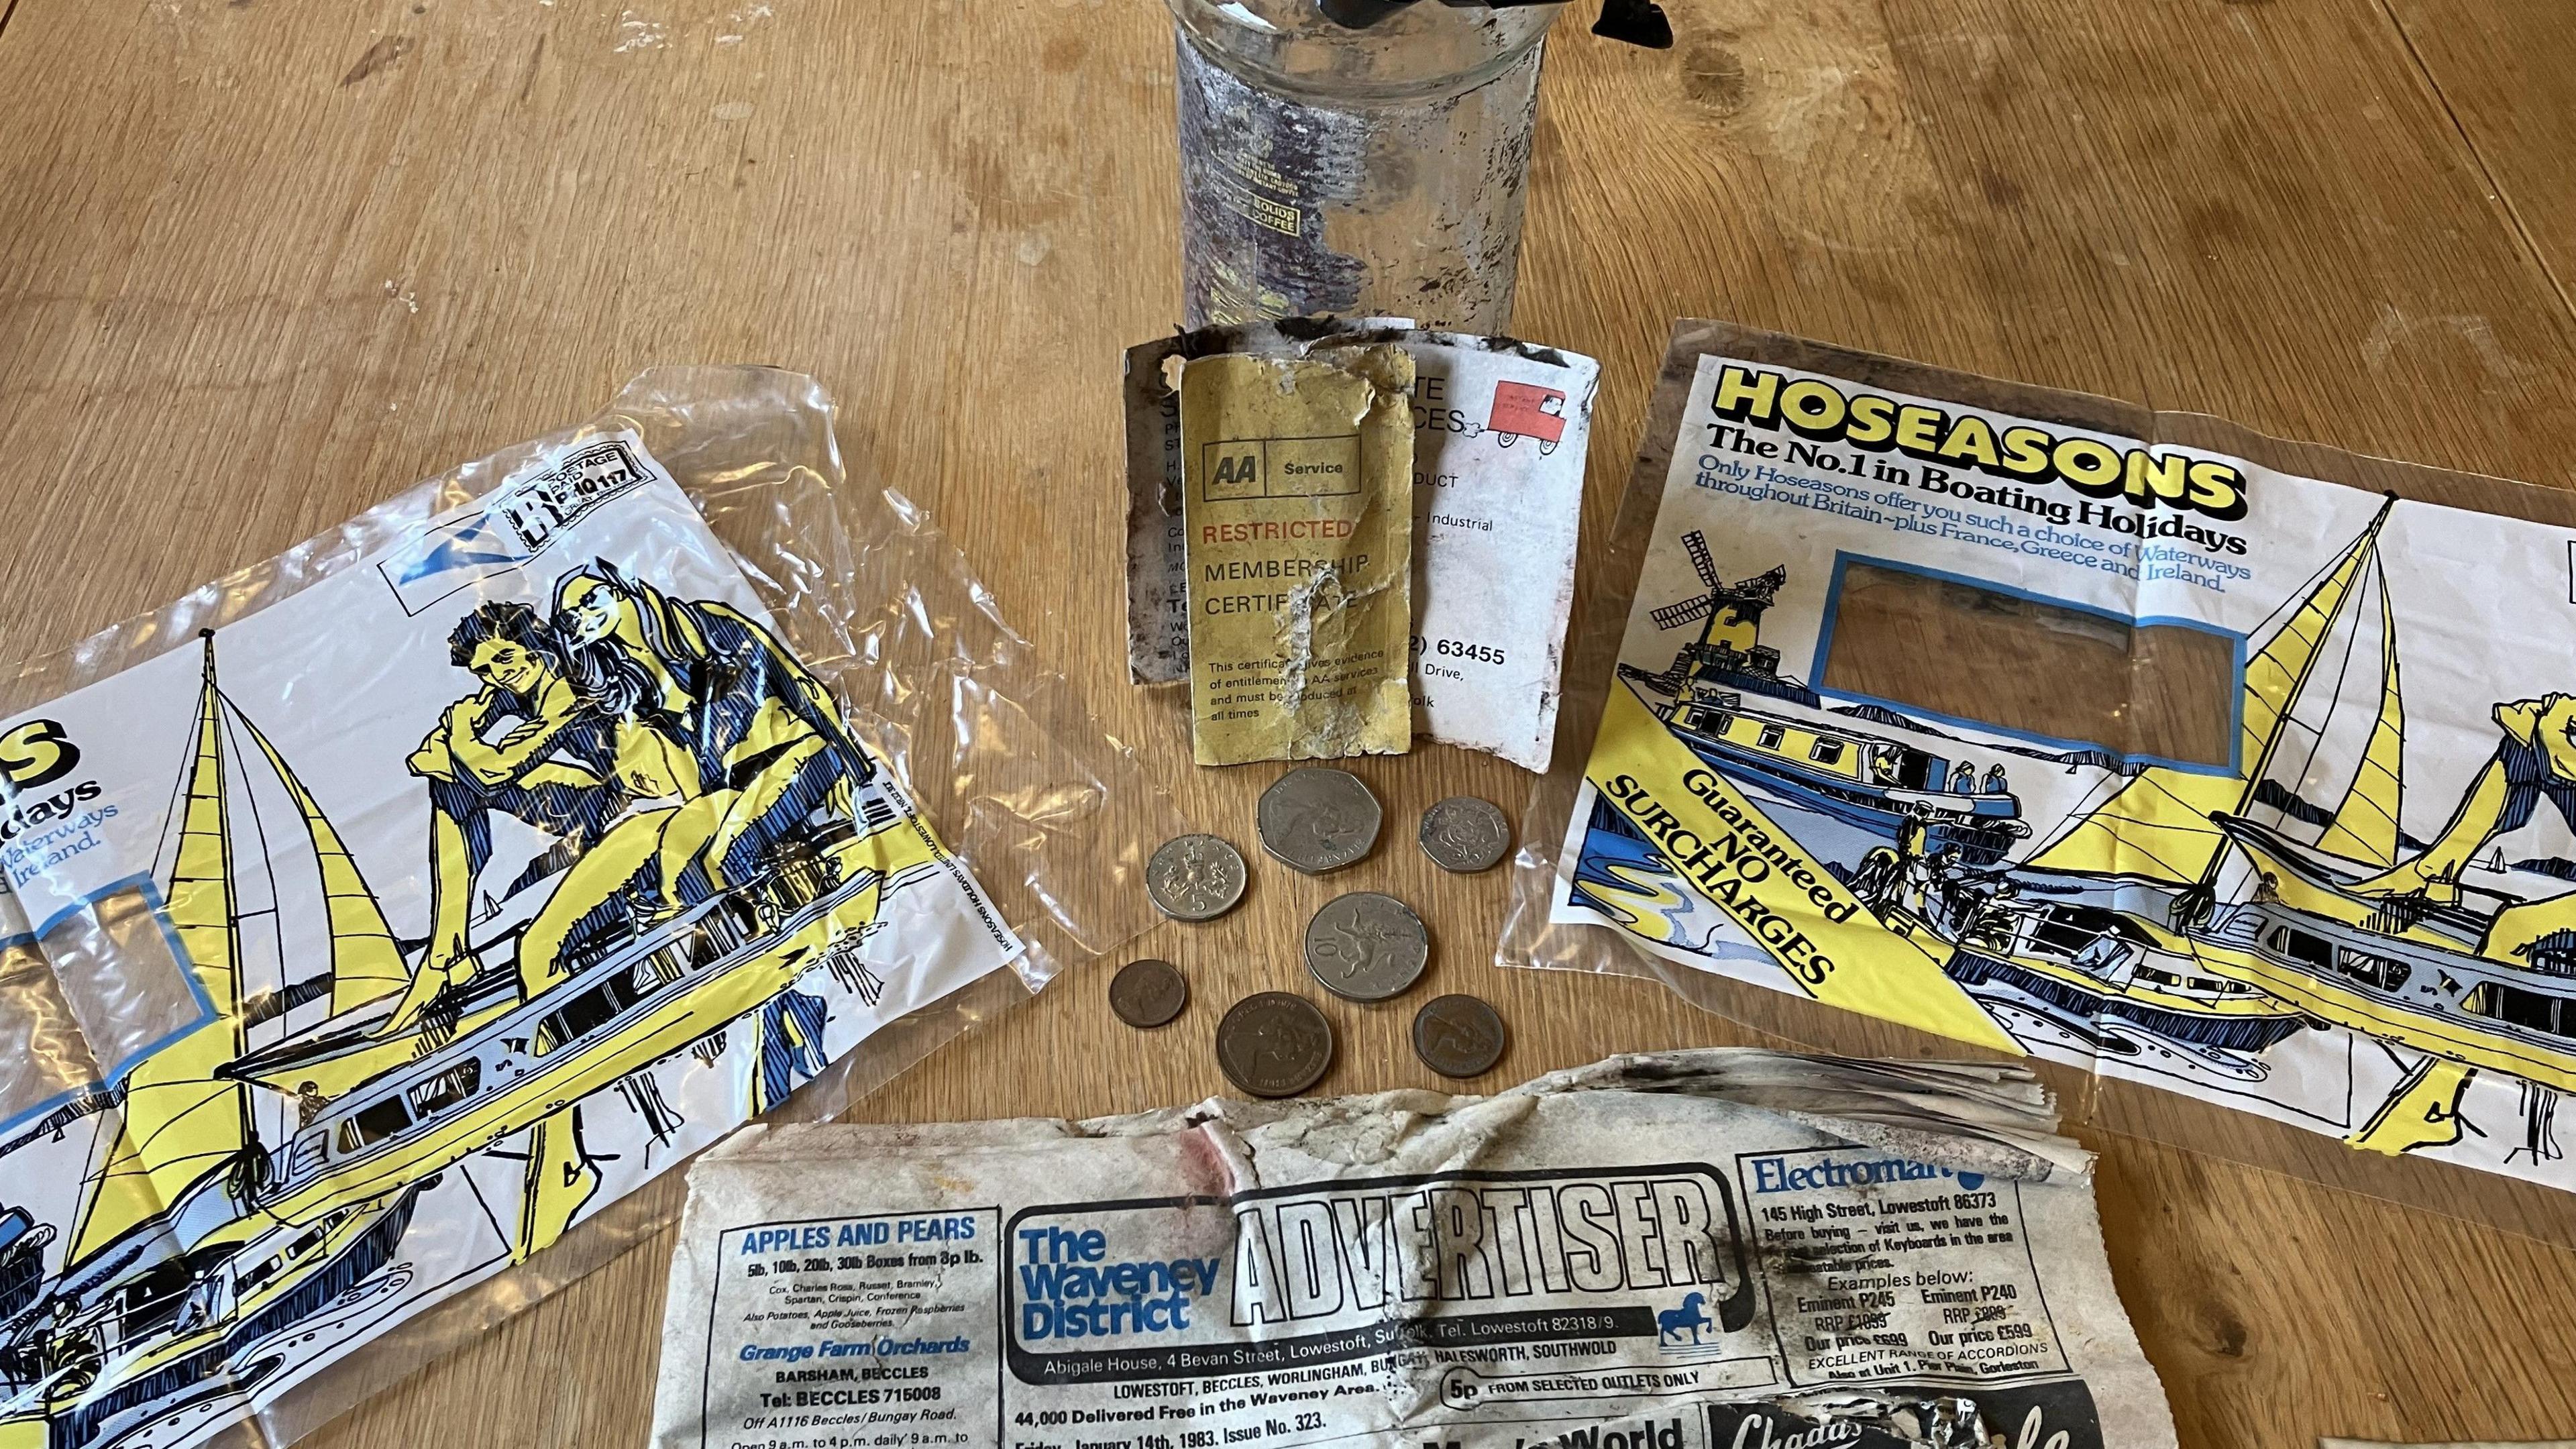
263 262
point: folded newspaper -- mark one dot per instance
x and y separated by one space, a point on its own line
1727 1248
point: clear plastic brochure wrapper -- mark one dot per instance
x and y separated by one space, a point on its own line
2230 778
385 921
1692 1250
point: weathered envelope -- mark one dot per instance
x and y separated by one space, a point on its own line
1298 511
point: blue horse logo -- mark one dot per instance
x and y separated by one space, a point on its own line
1690 1318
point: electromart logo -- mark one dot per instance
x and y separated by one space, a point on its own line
1778 1174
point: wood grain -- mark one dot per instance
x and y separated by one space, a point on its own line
265 261
2499 72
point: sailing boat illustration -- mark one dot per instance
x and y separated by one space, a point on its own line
243 1192
2472 974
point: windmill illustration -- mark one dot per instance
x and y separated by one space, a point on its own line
1728 649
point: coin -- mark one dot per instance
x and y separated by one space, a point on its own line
1459 1036
1366 946
1465 834
1318 819
1274 1044
1148 993
1195 878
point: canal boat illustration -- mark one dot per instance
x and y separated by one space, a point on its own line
1714 698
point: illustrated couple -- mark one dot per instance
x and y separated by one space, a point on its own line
673 748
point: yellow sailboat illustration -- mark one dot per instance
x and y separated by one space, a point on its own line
174 1277
253 1181
2100 920
2344 927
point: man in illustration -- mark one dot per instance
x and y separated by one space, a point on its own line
1995 782
1990 919
2535 761
754 740
525 745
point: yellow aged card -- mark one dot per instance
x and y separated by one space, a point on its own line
1298 509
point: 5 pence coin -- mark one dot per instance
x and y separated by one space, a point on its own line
1274 1044
1195 878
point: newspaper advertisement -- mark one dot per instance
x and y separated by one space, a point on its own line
1713 1248
411 920
1961 705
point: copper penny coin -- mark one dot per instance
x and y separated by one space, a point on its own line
1459 1036
1148 993
1274 1044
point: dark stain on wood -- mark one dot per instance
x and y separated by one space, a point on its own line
379 55
528 82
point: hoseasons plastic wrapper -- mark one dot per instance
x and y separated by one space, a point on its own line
1699 1250
398 912
2232 776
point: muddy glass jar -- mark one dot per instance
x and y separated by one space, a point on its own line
1380 170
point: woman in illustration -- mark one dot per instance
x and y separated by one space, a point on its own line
755 749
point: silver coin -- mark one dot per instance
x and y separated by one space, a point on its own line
1459 1036
1195 878
1148 993
1274 1044
1465 835
1318 819
1366 946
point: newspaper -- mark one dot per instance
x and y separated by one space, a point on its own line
1720 1248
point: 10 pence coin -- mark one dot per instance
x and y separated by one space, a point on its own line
1318 819
1195 878
1148 993
1274 1044
1459 1036
1366 946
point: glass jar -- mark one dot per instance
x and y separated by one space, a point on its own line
1379 170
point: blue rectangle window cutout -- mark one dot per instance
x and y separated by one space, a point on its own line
2047 672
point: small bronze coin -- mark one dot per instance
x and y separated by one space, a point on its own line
1459 1036
1148 993
1366 946
1195 878
1463 834
1274 1044
1318 819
